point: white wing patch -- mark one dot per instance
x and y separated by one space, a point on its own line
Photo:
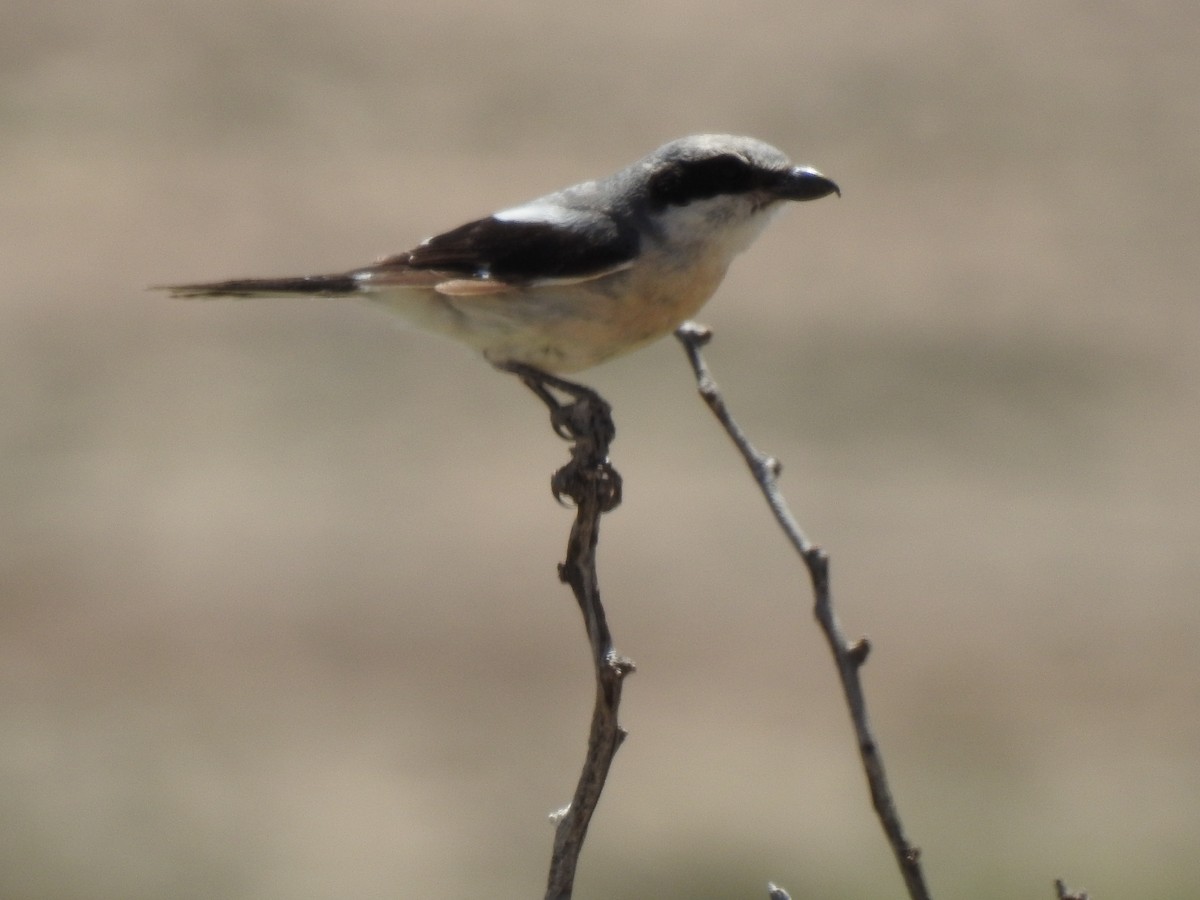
547 213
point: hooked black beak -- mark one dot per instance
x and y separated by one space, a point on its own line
803 183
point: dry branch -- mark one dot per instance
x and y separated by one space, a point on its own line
594 486
848 657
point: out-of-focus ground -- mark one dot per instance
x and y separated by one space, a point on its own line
278 607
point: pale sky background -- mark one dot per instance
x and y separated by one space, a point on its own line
278 608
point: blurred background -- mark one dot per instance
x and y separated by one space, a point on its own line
278 607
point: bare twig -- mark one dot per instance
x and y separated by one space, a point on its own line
594 486
848 656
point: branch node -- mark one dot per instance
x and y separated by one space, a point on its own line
559 814
1063 893
859 651
817 561
620 665
694 333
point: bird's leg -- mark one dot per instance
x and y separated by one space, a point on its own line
585 419
586 414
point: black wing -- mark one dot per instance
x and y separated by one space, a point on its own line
567 244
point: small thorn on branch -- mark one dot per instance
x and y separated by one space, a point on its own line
859 651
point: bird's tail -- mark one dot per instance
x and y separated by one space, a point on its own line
312 285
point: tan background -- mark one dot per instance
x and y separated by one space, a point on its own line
278 614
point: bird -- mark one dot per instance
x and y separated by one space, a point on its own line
571 279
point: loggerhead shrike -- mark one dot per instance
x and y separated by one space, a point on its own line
576 277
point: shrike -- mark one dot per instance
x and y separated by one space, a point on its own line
576 277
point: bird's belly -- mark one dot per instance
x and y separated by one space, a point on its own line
565 328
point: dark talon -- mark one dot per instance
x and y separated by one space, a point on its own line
585 419
586 415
